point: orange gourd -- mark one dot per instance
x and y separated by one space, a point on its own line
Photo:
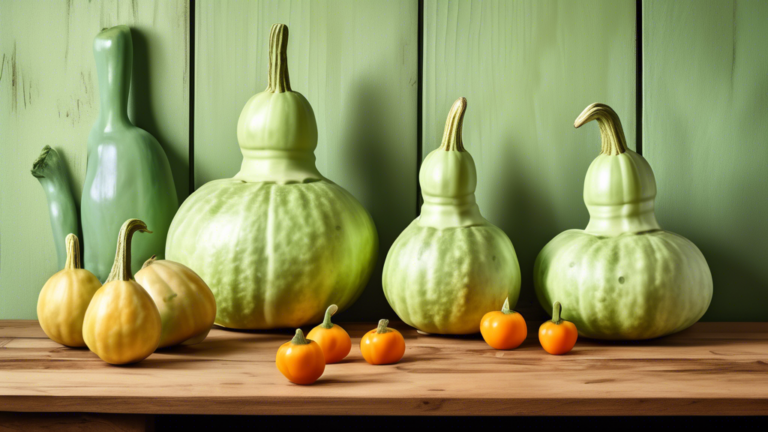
301 360
504 329
333 339
558 336
382 345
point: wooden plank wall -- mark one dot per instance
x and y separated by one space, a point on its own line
705 132
527 67
48 95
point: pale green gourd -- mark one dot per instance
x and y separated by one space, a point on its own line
622 277
278 242
450 266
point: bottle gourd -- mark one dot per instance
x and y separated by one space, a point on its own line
622 277
128 174
278 242
450 266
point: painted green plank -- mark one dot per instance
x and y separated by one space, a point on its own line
528 68
357 64
705 132
48 95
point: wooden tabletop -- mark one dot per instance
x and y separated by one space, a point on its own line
712 368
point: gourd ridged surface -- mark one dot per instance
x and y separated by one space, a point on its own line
444 280
633 286
275 255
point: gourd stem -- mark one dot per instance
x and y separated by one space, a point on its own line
279 81
611 132
121 269
453 126
505 309
149 262
299 338
382 328
73 253
556 310
328 314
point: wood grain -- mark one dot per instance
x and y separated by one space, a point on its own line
49 95
75 422
357 64
712 368
527 69
705 129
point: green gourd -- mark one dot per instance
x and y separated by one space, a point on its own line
622 277
128 174
51 171
450 266
278 242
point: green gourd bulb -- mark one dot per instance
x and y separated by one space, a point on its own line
278 242
622 277
450 266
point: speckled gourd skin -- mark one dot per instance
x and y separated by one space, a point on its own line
278 243
450 266
275 255
623 277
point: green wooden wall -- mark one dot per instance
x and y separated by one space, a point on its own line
705 132
48 95
527 67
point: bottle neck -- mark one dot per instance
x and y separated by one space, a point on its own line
114 63
278 166
615 220
443 212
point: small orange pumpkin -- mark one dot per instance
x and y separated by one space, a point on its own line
558 336
301 360
333 339
503 329
382 345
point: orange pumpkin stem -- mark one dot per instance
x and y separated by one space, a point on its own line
73 253
327 324
382 328
505 309
556 310
299 338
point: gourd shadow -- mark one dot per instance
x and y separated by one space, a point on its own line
383 181
141 111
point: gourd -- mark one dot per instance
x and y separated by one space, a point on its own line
382 345
450 266
65 298
622 277
186 304
332 338
301 360
122 324
127 174
278 242
51 171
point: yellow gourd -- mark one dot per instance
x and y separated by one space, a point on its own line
122 324
186 304
65 297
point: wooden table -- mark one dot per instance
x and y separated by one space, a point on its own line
711 368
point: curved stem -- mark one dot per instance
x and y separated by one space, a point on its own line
149 262
382 328
299 338
611 132
73 253
121 269
328 314
556 310
453 126
279 80
50 171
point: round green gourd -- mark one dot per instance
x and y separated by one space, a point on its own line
622 277
450 266
278 242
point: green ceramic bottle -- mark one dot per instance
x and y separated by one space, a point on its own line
128 175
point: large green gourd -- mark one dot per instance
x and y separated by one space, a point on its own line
622 277
279 242
128 175
450 266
